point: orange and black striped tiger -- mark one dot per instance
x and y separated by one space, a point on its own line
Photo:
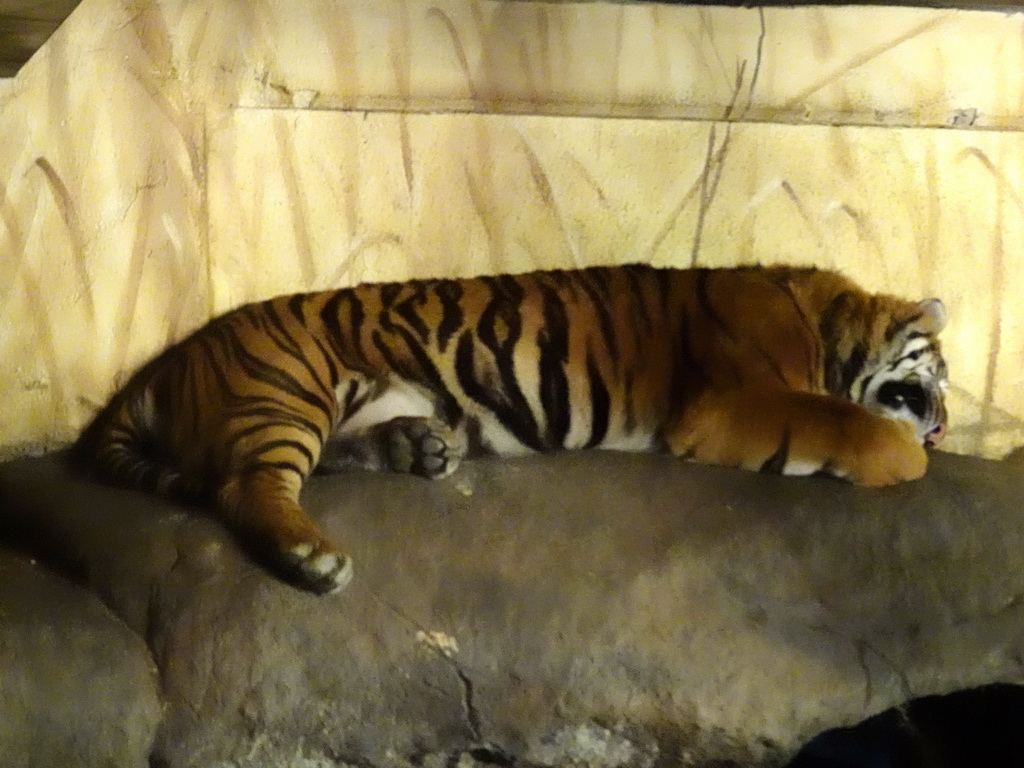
786 370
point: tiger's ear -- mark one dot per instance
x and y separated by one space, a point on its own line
933 316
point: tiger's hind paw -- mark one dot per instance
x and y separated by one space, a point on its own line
323 572
423 446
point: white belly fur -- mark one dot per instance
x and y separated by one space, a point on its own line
399 399
634 442
403 399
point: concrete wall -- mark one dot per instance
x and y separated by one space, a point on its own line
165 161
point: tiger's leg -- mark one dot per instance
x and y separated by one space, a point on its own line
798 433
262 505
420 445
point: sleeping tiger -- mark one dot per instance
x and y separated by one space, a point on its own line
784 370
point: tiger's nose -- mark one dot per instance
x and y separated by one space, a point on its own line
935 436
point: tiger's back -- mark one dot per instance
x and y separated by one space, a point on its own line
724 366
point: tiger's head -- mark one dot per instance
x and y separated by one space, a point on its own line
896 369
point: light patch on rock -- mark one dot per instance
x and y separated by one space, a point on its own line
589 745
441 642
264 753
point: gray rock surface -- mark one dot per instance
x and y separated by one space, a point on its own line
77 687
589 609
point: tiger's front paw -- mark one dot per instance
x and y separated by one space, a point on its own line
891 454
425 447
317 568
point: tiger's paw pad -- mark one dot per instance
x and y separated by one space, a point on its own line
425 447
319 571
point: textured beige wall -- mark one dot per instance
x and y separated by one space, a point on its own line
167 160
101 259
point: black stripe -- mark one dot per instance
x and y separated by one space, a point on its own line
814 351
687 373
215 368
272 421
287 343
638 296
560 277
506 299
630 405
269 374
348 405
518 421
829 327
599 276
776 463
282 338
346 338
297 306
407 310
703 290
553 348
195 400
238 403
773 364
273 411
895 326
388 293
261 370
271 445
663 281
449 293
356 318
850 369
505 305
279 466
427 372
332 366
599 302
377 337
332 323
600 404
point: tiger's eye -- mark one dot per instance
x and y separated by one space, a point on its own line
895 394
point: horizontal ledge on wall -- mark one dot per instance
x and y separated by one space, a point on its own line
958 119
822 65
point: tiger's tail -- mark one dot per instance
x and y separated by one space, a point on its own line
120 445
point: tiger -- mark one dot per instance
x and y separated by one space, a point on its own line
778 369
